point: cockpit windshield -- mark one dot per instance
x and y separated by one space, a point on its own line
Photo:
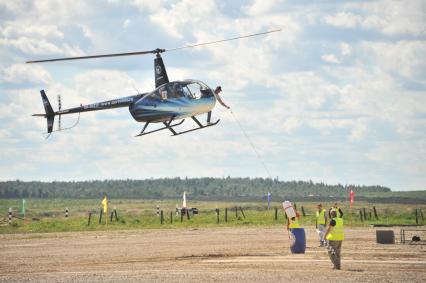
190 89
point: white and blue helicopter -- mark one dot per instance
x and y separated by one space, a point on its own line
167 104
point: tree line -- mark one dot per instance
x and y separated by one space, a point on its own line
198 188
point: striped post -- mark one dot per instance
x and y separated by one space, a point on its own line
10 215
66 212
158 210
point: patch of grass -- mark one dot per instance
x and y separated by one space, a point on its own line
141 214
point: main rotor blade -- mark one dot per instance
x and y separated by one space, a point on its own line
155 51
222 40
158 50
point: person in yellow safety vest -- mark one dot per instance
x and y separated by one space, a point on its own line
292 223
335 237
320 224
336 208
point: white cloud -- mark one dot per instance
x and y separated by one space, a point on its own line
343 20
260 7
126 24
345 49
397 18
330 58
19 73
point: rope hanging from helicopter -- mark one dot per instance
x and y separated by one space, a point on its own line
64 129
259 157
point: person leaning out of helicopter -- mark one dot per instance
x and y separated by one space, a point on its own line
217 96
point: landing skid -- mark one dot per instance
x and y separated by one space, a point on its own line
200 126
168 125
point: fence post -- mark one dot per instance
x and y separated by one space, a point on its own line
187 213
111 216
242 212
360 215
100 215
90 216
217 215
417 217
421 213
10 215
236 212
66 212
303 211
181 215
365 213
171 217
161 217
115 213
276 213
158 210
375 213
369 215
295 207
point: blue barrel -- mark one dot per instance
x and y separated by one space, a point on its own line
298 244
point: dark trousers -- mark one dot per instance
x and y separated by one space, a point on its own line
334 250
209 116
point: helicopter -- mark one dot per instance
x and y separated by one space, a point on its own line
168 103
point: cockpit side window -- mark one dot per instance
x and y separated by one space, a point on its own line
195 90
175 91
187 92
163 93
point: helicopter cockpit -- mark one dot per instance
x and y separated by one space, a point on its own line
191 89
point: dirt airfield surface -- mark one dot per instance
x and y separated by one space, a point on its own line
203 255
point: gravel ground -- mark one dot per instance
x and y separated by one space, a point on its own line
203 255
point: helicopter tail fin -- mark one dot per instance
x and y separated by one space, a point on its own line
160 72
50 114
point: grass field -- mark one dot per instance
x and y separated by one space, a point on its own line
141 214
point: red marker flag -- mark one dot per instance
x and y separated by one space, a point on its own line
351 198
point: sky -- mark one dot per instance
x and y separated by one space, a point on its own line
338 96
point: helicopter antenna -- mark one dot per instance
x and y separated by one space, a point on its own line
134 86
154 51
